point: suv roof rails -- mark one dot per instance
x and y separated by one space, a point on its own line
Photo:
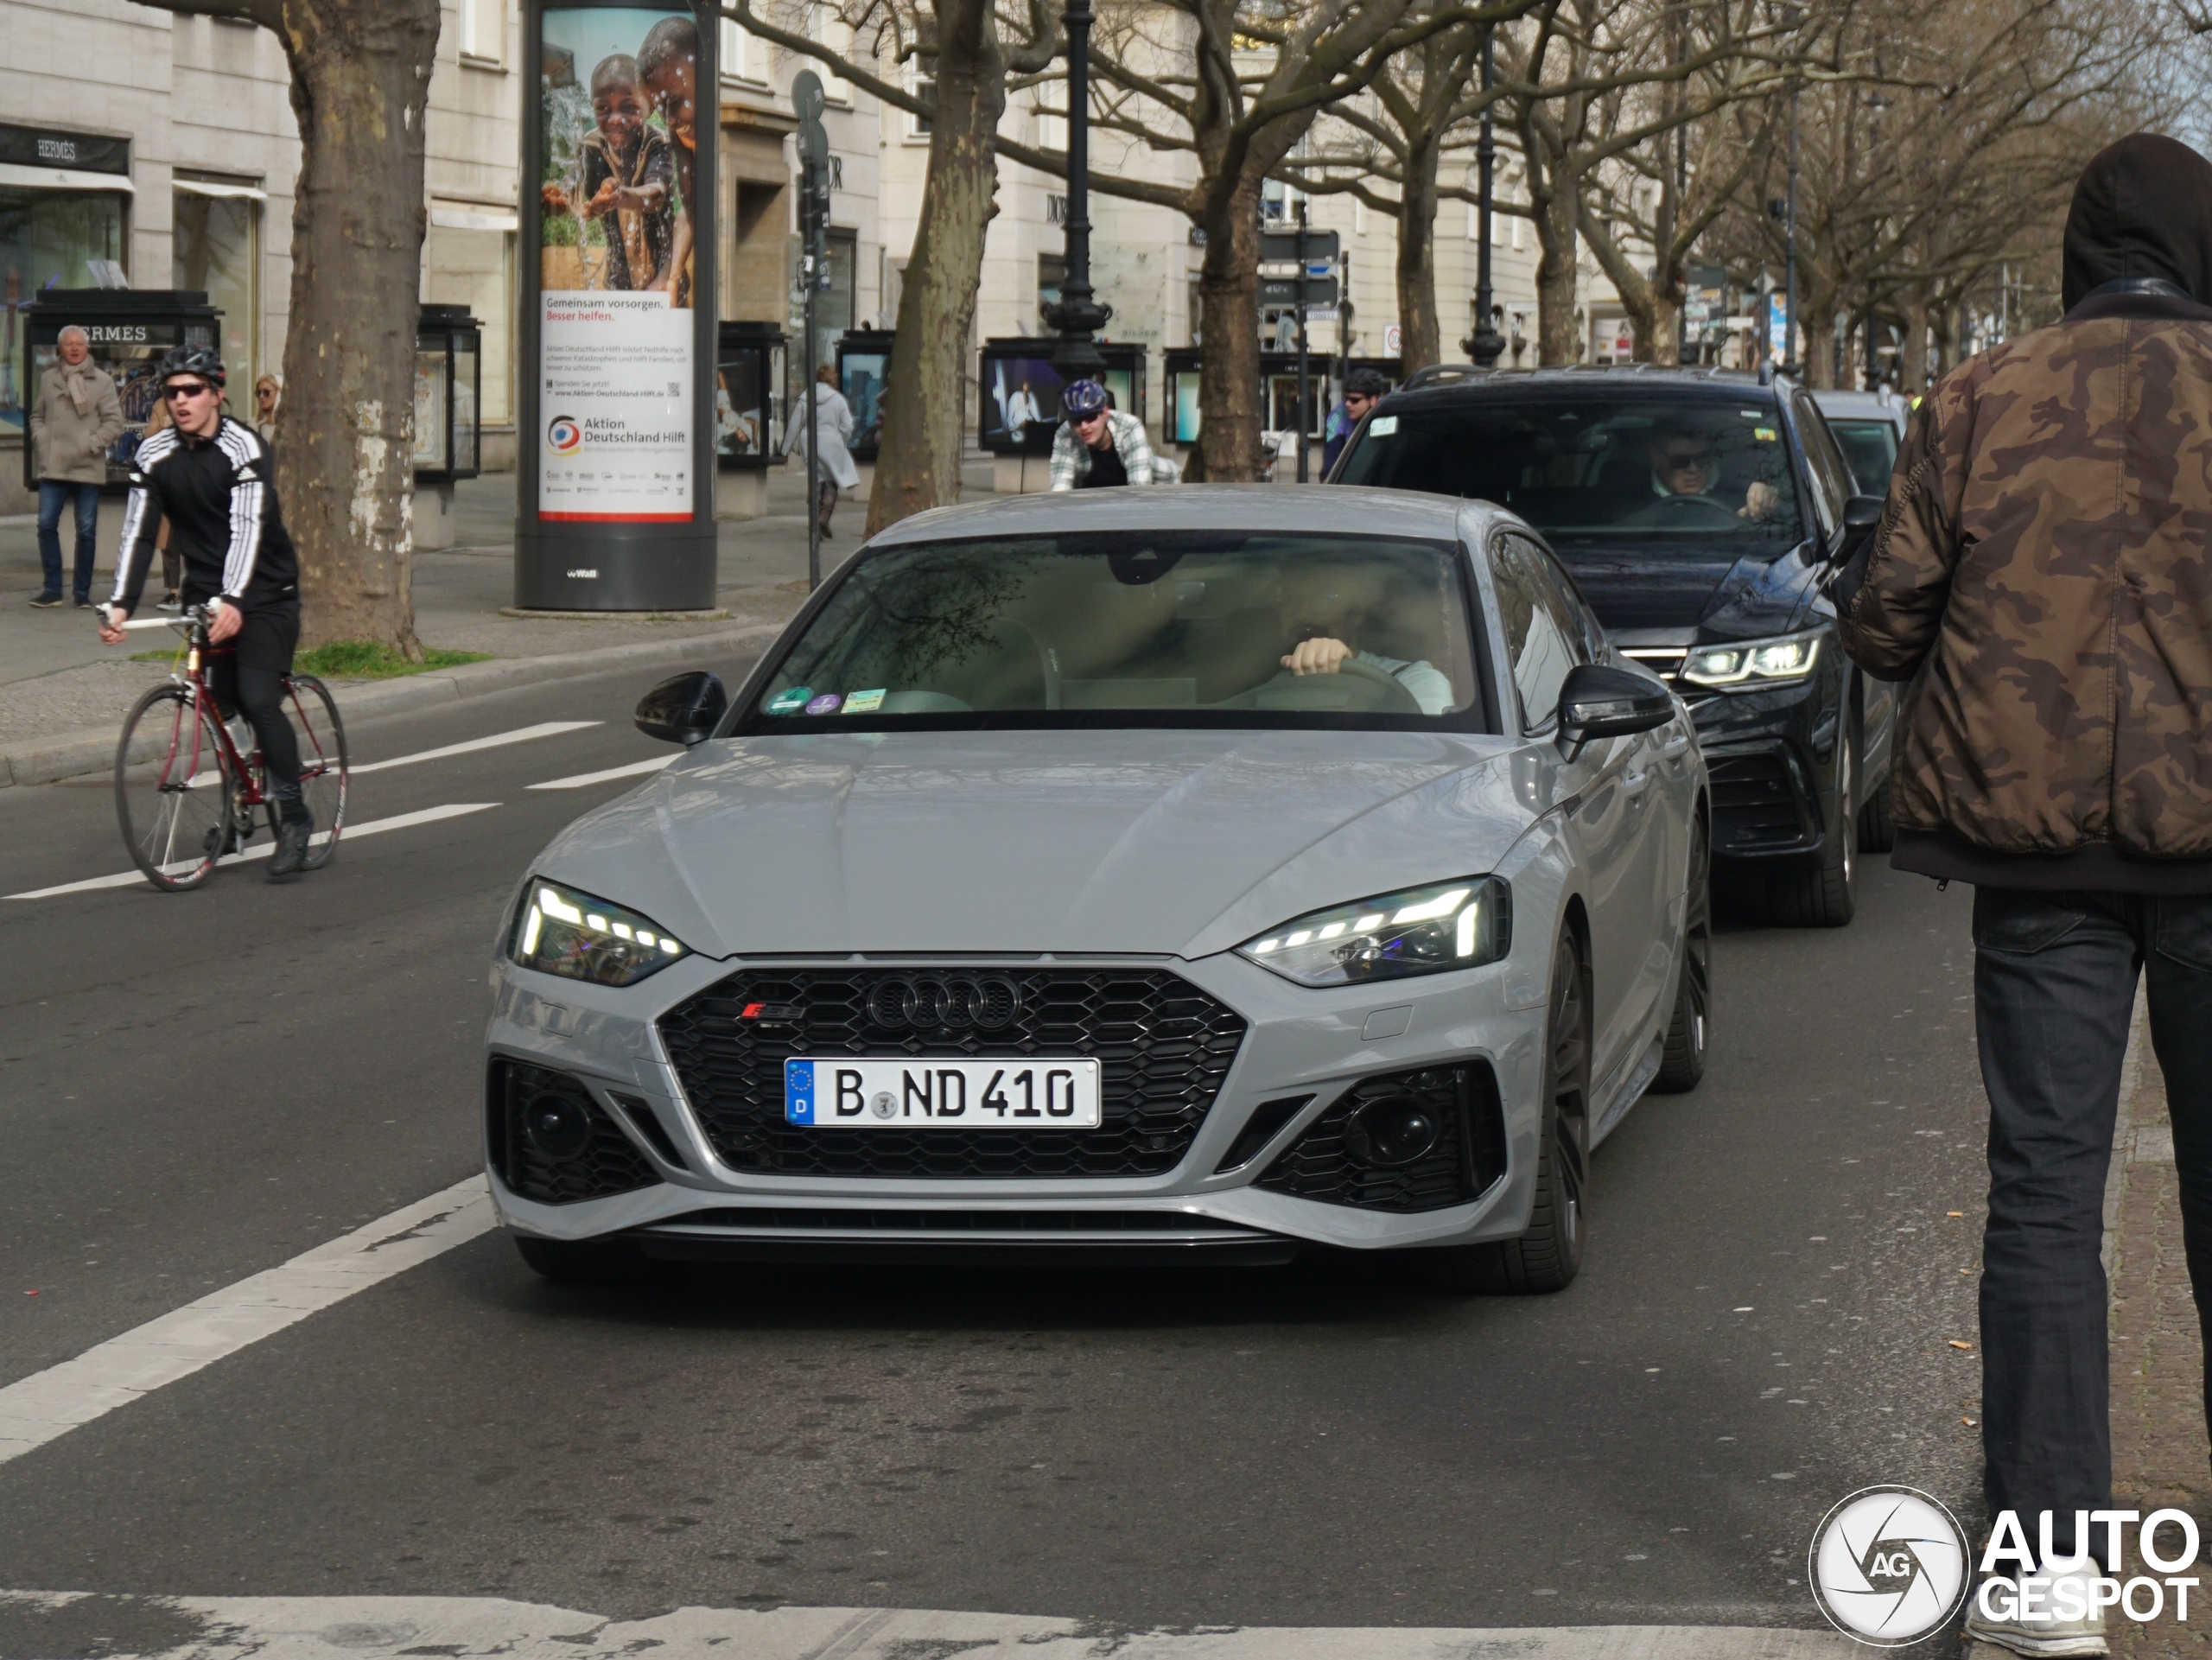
1438 372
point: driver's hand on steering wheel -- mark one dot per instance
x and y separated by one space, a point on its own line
1760 500
1317 656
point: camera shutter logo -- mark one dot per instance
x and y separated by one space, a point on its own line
563 437
1888 1566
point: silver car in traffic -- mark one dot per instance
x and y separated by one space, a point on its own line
1188 874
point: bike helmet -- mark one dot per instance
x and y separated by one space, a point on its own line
1082 399
199 360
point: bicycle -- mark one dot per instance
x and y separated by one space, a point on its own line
185 794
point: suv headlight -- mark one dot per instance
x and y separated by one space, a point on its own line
560 930
1456 925
1746 663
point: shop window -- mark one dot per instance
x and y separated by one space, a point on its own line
216 245
48 239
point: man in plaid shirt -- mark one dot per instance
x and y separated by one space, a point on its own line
1097 446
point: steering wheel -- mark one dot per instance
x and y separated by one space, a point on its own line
1677 507
1379 694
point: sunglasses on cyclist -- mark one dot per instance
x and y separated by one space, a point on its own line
194 389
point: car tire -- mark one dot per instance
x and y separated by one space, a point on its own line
1682 1061
1825 895
1548 1256
575 1261
1877 828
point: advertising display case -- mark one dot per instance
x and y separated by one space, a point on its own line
863 360
130 330
1278 376
1020 391
749 396
448 383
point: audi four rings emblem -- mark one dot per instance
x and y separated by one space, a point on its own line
955 1002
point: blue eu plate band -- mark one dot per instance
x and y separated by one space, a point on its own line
799 1092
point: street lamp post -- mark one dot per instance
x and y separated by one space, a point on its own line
1078 314
1486 343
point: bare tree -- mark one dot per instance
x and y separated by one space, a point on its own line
360 83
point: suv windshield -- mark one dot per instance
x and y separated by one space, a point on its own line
1870 447
1594 466
1135 628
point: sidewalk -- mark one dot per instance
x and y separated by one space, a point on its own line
62 693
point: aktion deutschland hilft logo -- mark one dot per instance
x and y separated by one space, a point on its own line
1888 1566
563 437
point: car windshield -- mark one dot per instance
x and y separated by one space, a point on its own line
1870 447
1591 466
1135 628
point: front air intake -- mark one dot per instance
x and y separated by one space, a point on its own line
1416 1141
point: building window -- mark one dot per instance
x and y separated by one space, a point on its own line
484 30
733 42
47 237
1052 123
918 126
474 267
1051 271
215 241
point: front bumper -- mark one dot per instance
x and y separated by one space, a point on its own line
1770 756
1482 1027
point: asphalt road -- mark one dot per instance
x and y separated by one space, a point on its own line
195 1088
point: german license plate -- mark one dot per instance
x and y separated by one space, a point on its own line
1019 1094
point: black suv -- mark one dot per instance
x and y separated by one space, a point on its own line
1699 511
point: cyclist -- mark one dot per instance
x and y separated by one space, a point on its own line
210 477
1097 445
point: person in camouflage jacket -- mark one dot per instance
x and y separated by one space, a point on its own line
2041 579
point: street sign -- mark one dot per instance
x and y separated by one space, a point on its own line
1283 291
1394 340
1283 245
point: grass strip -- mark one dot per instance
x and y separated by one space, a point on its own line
354 659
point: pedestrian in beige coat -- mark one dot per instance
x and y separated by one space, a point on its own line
76 417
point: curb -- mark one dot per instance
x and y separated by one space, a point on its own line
91 750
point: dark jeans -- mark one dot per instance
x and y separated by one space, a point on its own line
2054 990
249 680
52 495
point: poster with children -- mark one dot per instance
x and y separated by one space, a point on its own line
617 214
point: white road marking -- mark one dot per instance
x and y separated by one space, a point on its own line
632 770
520 735
353 832
36 1410
379 1628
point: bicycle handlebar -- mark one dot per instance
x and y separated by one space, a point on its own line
198 613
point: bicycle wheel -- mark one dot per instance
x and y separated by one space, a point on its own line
174 804
324 761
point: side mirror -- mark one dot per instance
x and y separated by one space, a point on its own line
1597 702
1862 517
684 709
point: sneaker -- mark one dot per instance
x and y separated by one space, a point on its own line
292 837
216 847
172 603
47 602
83 602
2050 1638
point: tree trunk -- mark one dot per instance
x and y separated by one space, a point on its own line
1420 338
1943 328
924 409
1816 335
1649 305
1230 393
1559 340
1912 351
360 82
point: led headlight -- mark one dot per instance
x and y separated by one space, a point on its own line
560 931
1457 925
1751 664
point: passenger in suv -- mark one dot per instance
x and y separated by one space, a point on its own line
1698 511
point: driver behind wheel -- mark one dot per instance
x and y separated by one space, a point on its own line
1685 462
1319 607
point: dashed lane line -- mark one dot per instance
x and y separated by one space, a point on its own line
353 833
39 1408
383 1628
520 735
634 770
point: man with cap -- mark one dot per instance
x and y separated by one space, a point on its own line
1096 444
2040 581
1364 388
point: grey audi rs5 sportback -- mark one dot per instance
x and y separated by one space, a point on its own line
1175 874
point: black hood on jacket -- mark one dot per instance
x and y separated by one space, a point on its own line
2143 207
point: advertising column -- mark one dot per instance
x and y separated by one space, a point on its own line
616 471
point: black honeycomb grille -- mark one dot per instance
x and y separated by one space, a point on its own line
1163 1047
1467 1158
1756 800
609 1162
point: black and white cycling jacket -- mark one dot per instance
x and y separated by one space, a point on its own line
219 498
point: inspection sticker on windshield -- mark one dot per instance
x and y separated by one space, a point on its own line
1383 426
1025 1093
1764 434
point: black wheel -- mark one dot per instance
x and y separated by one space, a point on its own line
1547 1257
1683 1062
323 762
1825 894
1878 830
173 789
575 1261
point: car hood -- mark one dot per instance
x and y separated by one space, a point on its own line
1180 843
1714 595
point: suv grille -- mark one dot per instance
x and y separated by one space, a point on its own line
1468 1156
1164 1047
